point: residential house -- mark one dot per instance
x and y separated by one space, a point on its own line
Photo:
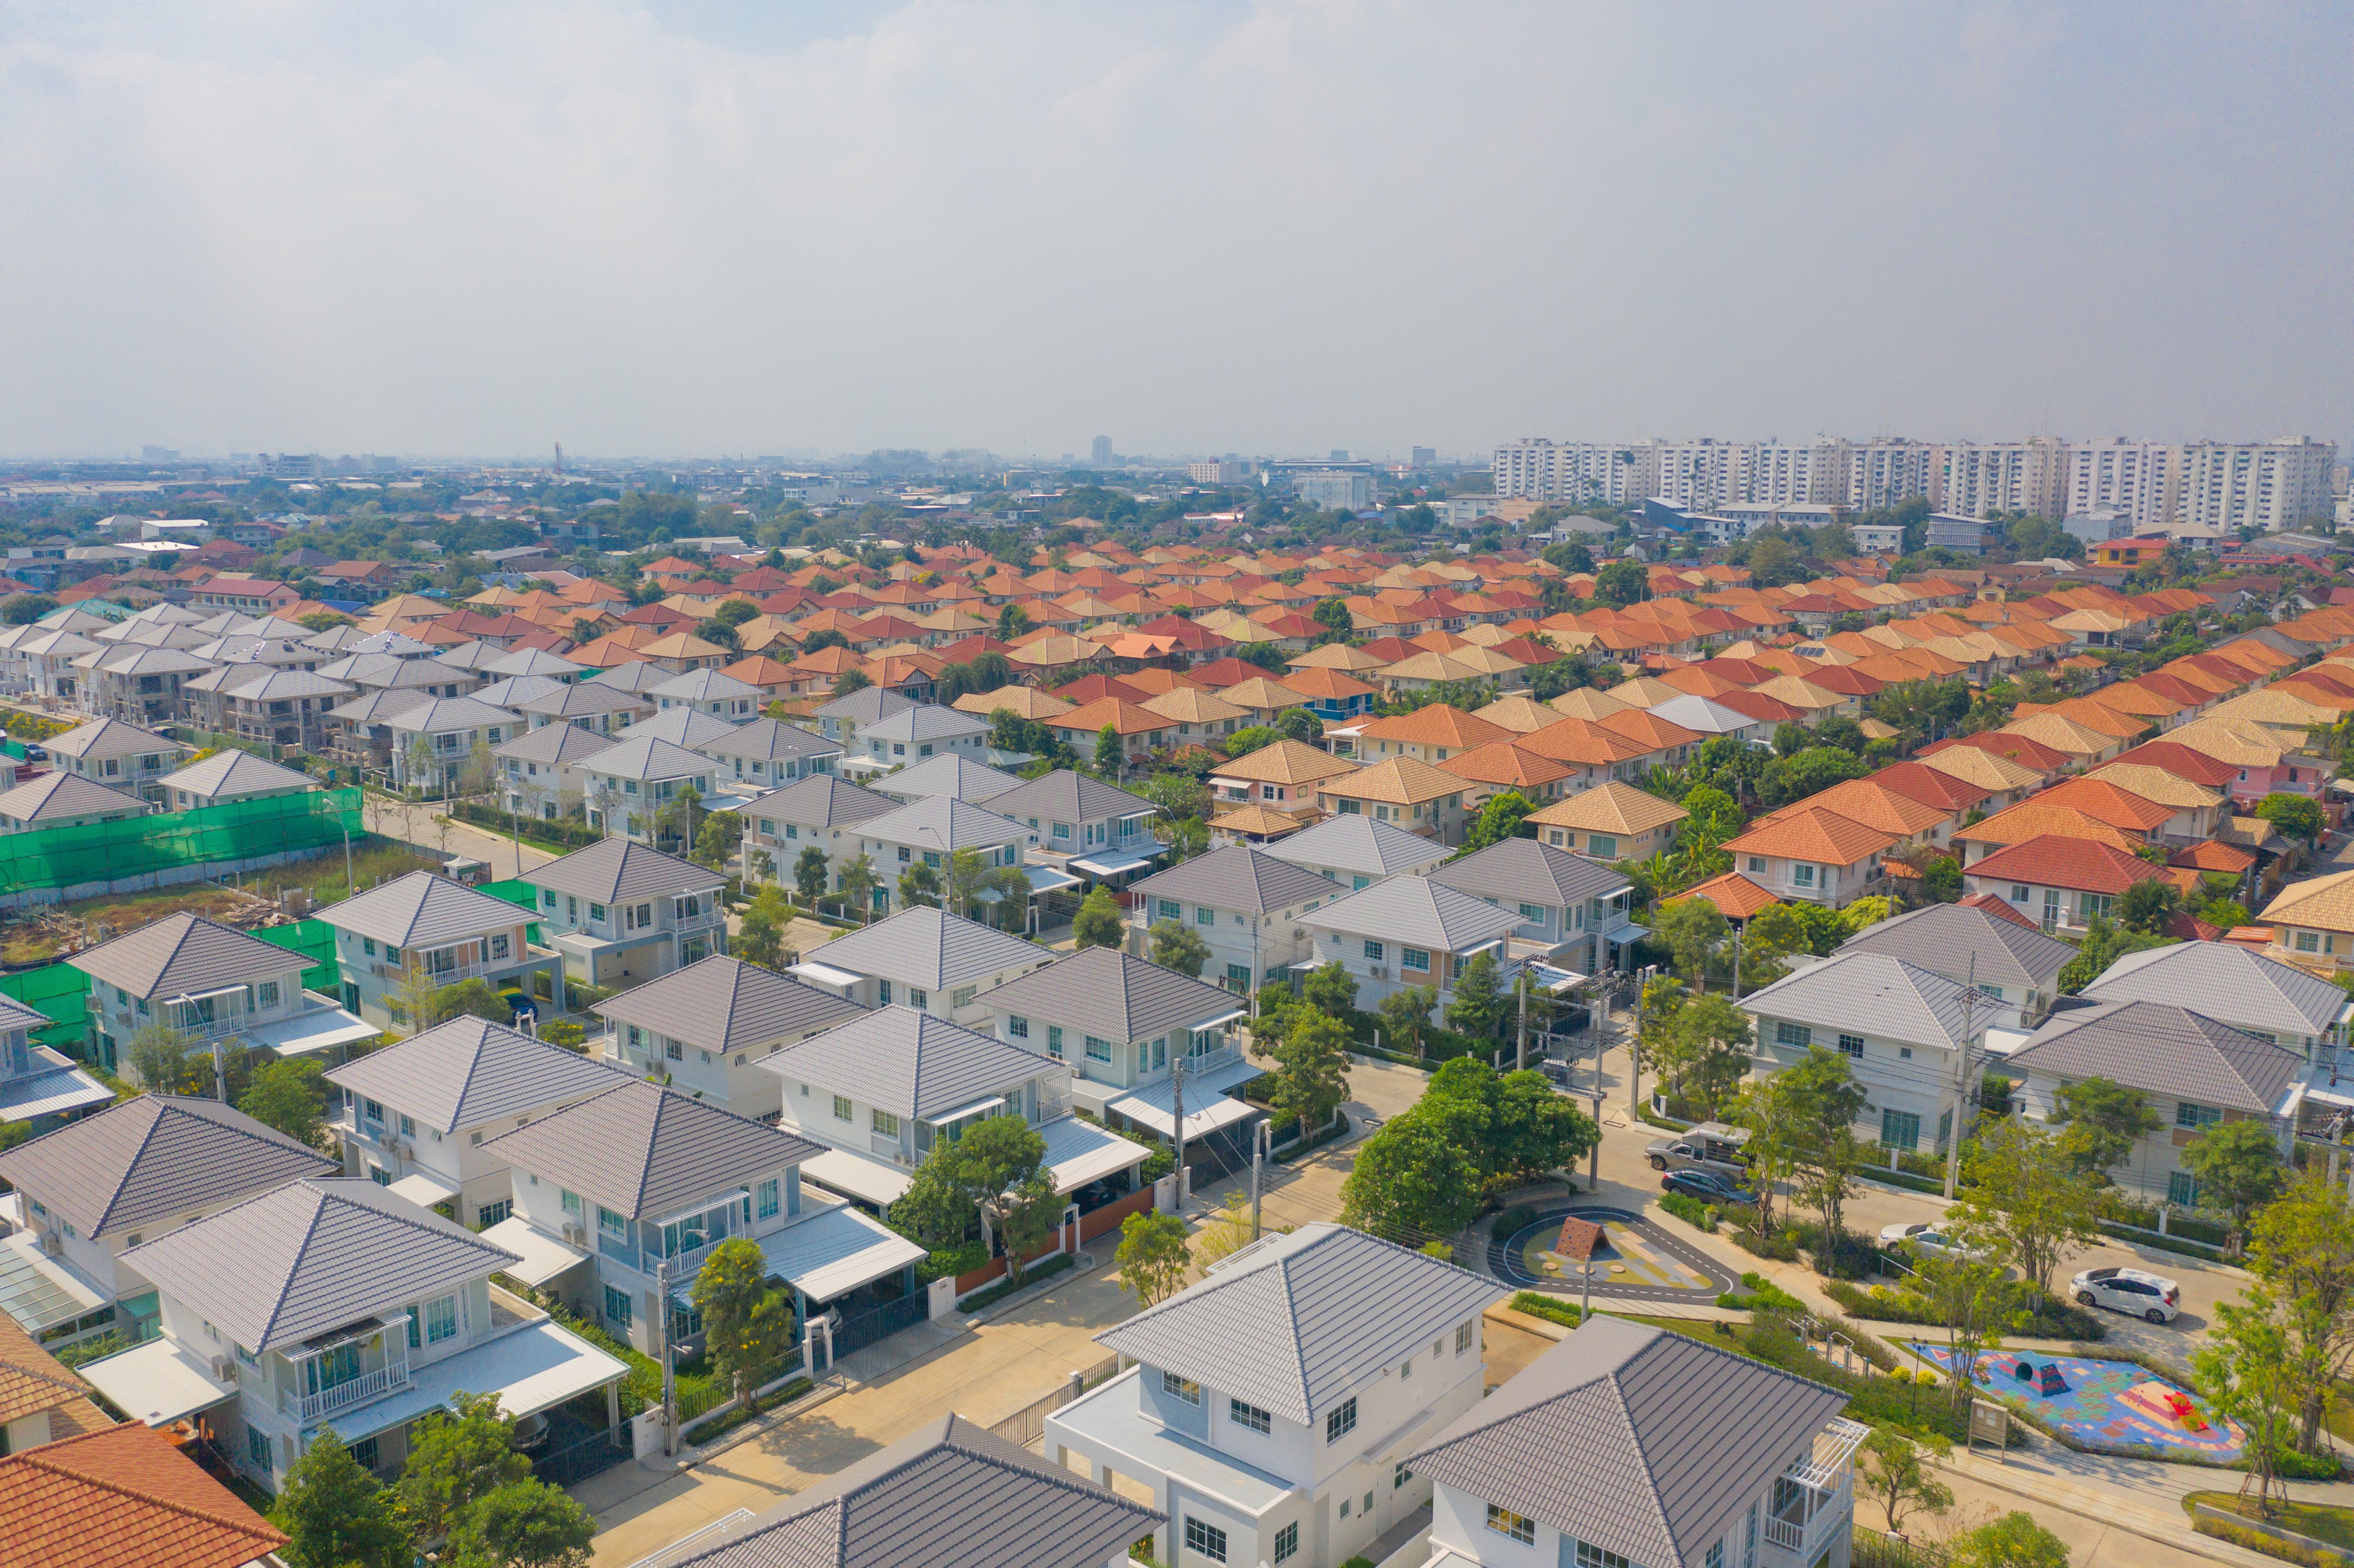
91 1190
1610 822
118 755
44 1403
1357 851
2197 811
414 1114
423 929
287 708
764 754
1245 904
840 720
1627 1443
1283 776
434 741
922 959
622 912
930 833
1431 734
40 1088
329 1302
633 788
1083 824
65 800
2011 962
2196 1073
710 691
1141 730
951 773
1417 795
1814 855
141 685
131 1487
700 1028
1574 911
206 982
913 733
1202 718
2060 883
2312 922
1275 1404
1408 931
590 705
2254 994
48 665
1903 1030
231 775
819 812
652 1180
539 771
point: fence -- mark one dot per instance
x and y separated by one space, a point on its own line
1871 1549
856 1333
60 993
175 846
1028 1424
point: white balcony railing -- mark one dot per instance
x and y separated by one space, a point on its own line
369 1385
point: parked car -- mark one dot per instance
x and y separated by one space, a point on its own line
1705 1185
35 753
1928 1238
1712 1146
2146 1295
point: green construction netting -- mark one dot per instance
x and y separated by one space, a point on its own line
59 991
77 857
14 748
520 894
316 940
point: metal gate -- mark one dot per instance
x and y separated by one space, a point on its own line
857 1332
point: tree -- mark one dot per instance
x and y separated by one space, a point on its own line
1332 615
158 1055
1694 929
1406 1017
1943 880
1893 1475
1772 1146
1153 1256
919 884
972 879
1479 1005
1824 1101
1706 1051
1012 622
2237 1166
2226 913
1225 1233
760 938
1973 1296
748 1323
998 1168
1499 819
523 1524
1108 757
2100 1121
1099 922
2014 1541
1331 990
1620 584
2104 945
1412 1183
28 607
858 883
472 997
1713 814
1299 724
1177 946
809 874
2150 906
335 1512
2303 1246
455 1458
2294 816
285 1094
1532 1130
1311 1071
2249 1372
2028 1194
1178 795
850 680
423 772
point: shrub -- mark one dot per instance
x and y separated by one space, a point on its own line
1690 1210
1513 1221
1538 1305
1781 1246
1760 1292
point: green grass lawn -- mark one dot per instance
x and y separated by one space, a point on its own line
2334 1525
374 859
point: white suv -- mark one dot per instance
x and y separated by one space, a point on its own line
2146 1295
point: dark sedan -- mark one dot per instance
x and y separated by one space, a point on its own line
1705 1185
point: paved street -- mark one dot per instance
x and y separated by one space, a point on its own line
421 823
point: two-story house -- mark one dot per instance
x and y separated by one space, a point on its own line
1574 911
652 1180
592 705
912 734
1610 822
930 833
539 772
2254 993
415 1114
289 708
924 958
1284 777
1409 932
1626 1444
1245 903
841 720
230 775
819 812
118 755
424 927
2060 881
702 1029
1357 851
1274 1405
66 800
622 912
763 754
333 1305
2312 923
1813 854
208 982
627 789
1122 1025
951 773
2014 966
441 732
1903 1029
709 691
91 1190
1084 824
38 1087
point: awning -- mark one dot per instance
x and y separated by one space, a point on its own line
320 1029
1222 1018
1626 934
1047 878
1111 864
855 1176
423 1189
49 1094
38 1291
1554 978
836 1250
534 1368
825 974
1206 1109
1078 1152
975 1108
157 1382
543 1256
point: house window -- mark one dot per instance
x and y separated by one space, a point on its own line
1400 1476
885 1123
1796 1034
1239 977
1757 862
1172 910
961 996
440 1320
1287 1542
1017 1028
1899 1129
767 1191
256 1448
265 994
842 1107
1715 1557
1414 959
1520 1527
1182 1388
1204 915
1749 1540
1098 1050
490 1215
1802 874
1243 1414
1206 1538
571 1202
2018 893
1339 1423
617 1306
1055 1040
610 1224
1464 1335
1373 951
2308 942
1850 1044
2181 1189
675 1050
1595 1557
1602 846
2195 1116
883 993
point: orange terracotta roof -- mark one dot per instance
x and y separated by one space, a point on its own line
1999 908
1438 725
2032 819
128 1487
2214 856
1400 781
1735 896
1502 763
1931 785
1812 832
1582 741
2107 800
2077 863
1890 811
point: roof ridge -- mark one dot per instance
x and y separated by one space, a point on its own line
123 1178
473 1066
1618 1387
1298 1356
309 1233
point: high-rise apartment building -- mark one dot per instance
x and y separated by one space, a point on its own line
1578 473
1883 472
1769 473
1335 489
1698 476
1217 472
2278 484
1425 457
2138 480
1101 452
1977 479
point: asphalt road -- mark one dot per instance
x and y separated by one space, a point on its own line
1504 1260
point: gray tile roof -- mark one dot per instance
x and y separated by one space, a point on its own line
1064 796
421 909
951 773
583 699
514 691
636 677
469 1071
1945 937
769 740
183 954
153 1159
553 745
648 759
380 706
14 1014
311 1257
1418 912
1237 877
2245 990
398 644
822 800
2167 1051
1523 871
641 1150
1359 845
944 824
1632 1439
232 773
109 738
533 661
910 1064
930 948
1871 994
948 1495
1114 996
722 1004
865 707
1299 1321
703 686
686 727
616 870
54 796
437 715
925 721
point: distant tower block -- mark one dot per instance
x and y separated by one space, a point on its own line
560 460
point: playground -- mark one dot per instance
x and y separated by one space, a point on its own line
1632 1258
2100 1405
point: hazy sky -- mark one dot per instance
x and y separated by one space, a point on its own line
1271 228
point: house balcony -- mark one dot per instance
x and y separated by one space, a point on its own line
333 1376
1813 1502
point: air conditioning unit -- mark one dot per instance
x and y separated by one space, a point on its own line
1381 972
223 1369
576 1234
404 1148
53 1244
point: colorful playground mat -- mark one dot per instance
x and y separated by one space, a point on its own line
2101 1404
1624 1256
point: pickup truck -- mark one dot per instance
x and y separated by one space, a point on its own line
1712 1145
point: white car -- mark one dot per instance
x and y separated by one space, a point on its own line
1928 1238
2146 1295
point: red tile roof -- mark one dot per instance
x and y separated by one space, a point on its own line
127 1488
2000 907
2079 864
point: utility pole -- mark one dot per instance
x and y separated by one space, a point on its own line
1520 1052
1736 958
1177 1126
1635 1044
1961 1082
1594 1155
669 1371
351 884
1259 1140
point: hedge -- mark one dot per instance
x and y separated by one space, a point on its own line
1541 1306
1690 1210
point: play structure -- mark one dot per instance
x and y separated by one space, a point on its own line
2100 1405
1628 1257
